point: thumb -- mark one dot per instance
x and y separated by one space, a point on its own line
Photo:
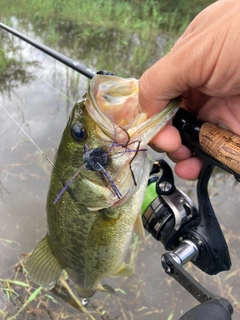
162 82
200 59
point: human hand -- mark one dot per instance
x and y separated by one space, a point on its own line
203 68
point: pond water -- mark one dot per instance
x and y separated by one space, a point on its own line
39 93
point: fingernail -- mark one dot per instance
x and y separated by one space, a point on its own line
223 125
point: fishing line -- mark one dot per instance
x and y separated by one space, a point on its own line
150 158
47 83
44 154
58 91
51 86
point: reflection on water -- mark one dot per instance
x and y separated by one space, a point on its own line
12 72
99 47
39 92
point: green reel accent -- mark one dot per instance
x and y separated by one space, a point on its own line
150 196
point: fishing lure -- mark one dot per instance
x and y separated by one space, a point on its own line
96 159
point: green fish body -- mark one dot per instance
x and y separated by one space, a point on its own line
90 226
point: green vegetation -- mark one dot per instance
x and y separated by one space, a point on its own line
125 37
122 14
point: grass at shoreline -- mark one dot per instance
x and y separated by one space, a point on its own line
123 36
158 15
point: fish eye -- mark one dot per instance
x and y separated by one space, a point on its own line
78 132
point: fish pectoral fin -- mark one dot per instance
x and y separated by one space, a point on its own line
106 288
43 267
138 227
124 271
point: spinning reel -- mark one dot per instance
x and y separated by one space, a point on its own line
190 234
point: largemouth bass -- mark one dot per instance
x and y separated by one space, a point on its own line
102 149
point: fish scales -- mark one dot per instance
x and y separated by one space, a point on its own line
90 227
85 232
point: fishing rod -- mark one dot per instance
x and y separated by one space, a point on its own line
170 216
54 54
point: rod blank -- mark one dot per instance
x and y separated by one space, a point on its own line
54 54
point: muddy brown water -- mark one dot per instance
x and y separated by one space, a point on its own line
39 93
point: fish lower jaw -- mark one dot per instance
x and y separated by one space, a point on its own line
120 202
123 199
112 201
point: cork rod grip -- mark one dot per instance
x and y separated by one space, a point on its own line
221 144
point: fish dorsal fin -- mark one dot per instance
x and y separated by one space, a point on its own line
43 267
138 227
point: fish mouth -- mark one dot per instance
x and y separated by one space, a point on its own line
112 102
